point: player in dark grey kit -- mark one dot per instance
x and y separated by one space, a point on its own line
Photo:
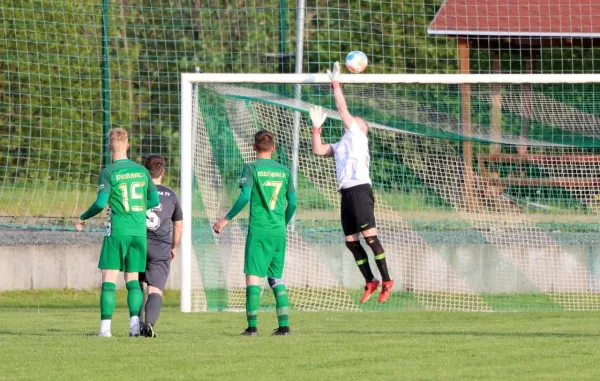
162 246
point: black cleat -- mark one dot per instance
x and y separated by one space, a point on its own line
282 331
250 331
148 330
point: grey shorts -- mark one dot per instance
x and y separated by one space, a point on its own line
158 264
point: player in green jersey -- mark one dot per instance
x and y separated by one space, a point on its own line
264 183
128 189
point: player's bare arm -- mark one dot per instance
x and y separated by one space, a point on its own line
318 117
338 95
177 232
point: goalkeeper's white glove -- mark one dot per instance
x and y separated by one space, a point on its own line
335 74
318 117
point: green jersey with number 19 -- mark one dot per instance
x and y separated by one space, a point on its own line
129 185
270 183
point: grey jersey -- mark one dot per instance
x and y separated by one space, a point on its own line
158 220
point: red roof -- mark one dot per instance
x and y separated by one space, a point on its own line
522 18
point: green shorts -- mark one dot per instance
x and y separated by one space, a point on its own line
124 253
265 255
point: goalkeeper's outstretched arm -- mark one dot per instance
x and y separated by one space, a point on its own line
338 95
318 118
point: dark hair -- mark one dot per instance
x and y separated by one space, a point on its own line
155 164
263 141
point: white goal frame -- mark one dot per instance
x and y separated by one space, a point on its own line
189 79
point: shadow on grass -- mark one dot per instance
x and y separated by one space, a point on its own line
469 333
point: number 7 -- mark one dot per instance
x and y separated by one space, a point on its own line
277 185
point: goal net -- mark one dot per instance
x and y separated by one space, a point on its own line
486 187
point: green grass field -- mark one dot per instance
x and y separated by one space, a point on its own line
52 335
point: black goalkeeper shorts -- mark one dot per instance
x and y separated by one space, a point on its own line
358 209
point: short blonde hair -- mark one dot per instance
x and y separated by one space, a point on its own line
118 139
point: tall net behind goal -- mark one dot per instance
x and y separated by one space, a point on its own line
485 210
70 70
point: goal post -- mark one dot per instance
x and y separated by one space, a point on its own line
464 229
186 193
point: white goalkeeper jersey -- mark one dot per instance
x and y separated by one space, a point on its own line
352 158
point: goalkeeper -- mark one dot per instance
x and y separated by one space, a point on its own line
354 184
128 189
264 183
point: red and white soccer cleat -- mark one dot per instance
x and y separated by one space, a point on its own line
370 288
385 293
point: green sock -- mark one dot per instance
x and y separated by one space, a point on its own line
107 301
282 303
135 297
252 305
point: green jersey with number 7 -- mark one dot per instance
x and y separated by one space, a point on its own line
129 186
270 183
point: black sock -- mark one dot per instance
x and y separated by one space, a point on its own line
379 254
153 306
383 270
143 309
362 261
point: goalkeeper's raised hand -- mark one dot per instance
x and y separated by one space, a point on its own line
317 116
334 75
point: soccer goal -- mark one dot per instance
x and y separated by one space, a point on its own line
486 187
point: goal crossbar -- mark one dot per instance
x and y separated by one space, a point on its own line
450 79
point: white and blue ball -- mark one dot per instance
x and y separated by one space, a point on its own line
356 61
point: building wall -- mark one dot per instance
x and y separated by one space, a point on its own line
447 268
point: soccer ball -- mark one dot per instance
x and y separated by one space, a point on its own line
356 61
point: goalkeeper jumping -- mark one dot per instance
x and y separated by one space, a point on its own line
352 159
264 183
